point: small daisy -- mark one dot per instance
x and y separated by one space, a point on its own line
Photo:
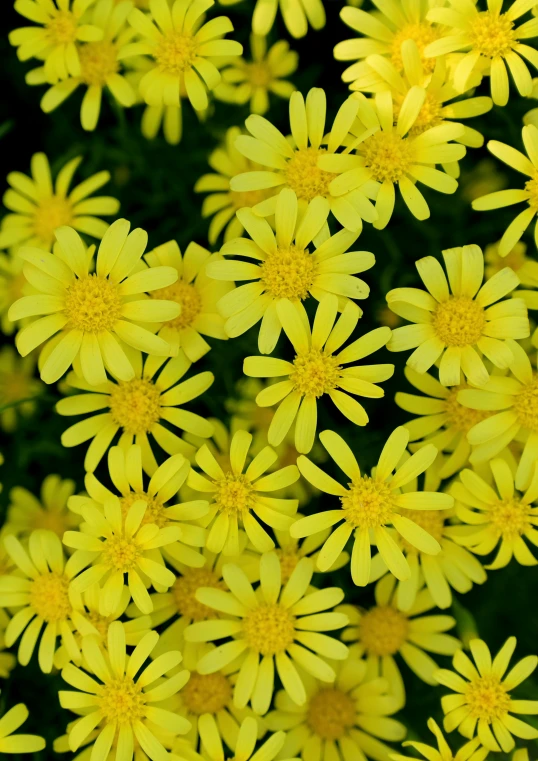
317 371
453 322
296 16
19 390
26 513
482 704
277 626
13 285
471 751
525 268
11 743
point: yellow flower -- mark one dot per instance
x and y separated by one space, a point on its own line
41 207
488 38
93 312
13 285
317 371
181 47
8 661
471 751
347 719
13 744
499 516
137 409
525 268
120 704
27 513
296 16
274 626
290 551
482 704
453 321
18 388
252 81
484 178
382 632
56 40
294 163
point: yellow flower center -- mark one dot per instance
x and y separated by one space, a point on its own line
92 304
515 259
175 53
461 418
234 494
50 214
492 34
98 62
189 299
368 503
315 373
259 74
430 115
305 177
135 405
331 713
51 520
422 33
207 693
459 321
487 698
288 273
383 630
269 629
15 386
122 702
531 186
62 28
120 554
510 517
289 557
100 622
155 510
49 597
526 405
431 521
184 591
388 156
249 198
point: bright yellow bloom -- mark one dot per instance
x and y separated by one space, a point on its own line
525 268
13 744
296 16
317 370
489 38
274 626
120 704
471 751
13 285
27 513
18 388
458 323
482 704
348 719
370 504
293 163
137 409
40 207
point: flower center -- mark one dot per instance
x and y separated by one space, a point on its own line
510 517
492 34
269 629
422 33
383 630
50 214
487 698
122 701
289 557
459 417
305 177
430 115
259 74
98 62
248 198
459 321
188 298
62 29
234 494
388 156
92 304
184 590
330 713
100 622
49 597
368 503
155 511
135 405
526 405
51 520
120 553
175 53
288 273
207 693
315 373
431 521
531 186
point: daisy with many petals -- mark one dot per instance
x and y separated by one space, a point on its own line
460 322
471 751
26 512
10 743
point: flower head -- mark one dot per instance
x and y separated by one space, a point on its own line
11 743
18 388
27 513
471 751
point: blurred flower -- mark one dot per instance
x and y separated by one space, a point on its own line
18 388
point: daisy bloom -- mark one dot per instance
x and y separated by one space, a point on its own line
525 268
286 269
371 503
471 751
482 704
498 516
347 719
276 625
196 294
39 206
18 388
11 743
181 48
26 513
113 695
293 163
528 194
252 81
296 16
457 321
488 38
383 632
317 370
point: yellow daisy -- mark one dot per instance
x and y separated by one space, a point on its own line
252 81
369 504
471 751
11 743
296 16
182 49
317 371
276 625
294 163
40 207
348 719
528 194
115 696
383 632
525 268
19 390
13 285
196 293
453 321
482 704
488 38
499 516
26 513
139 410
